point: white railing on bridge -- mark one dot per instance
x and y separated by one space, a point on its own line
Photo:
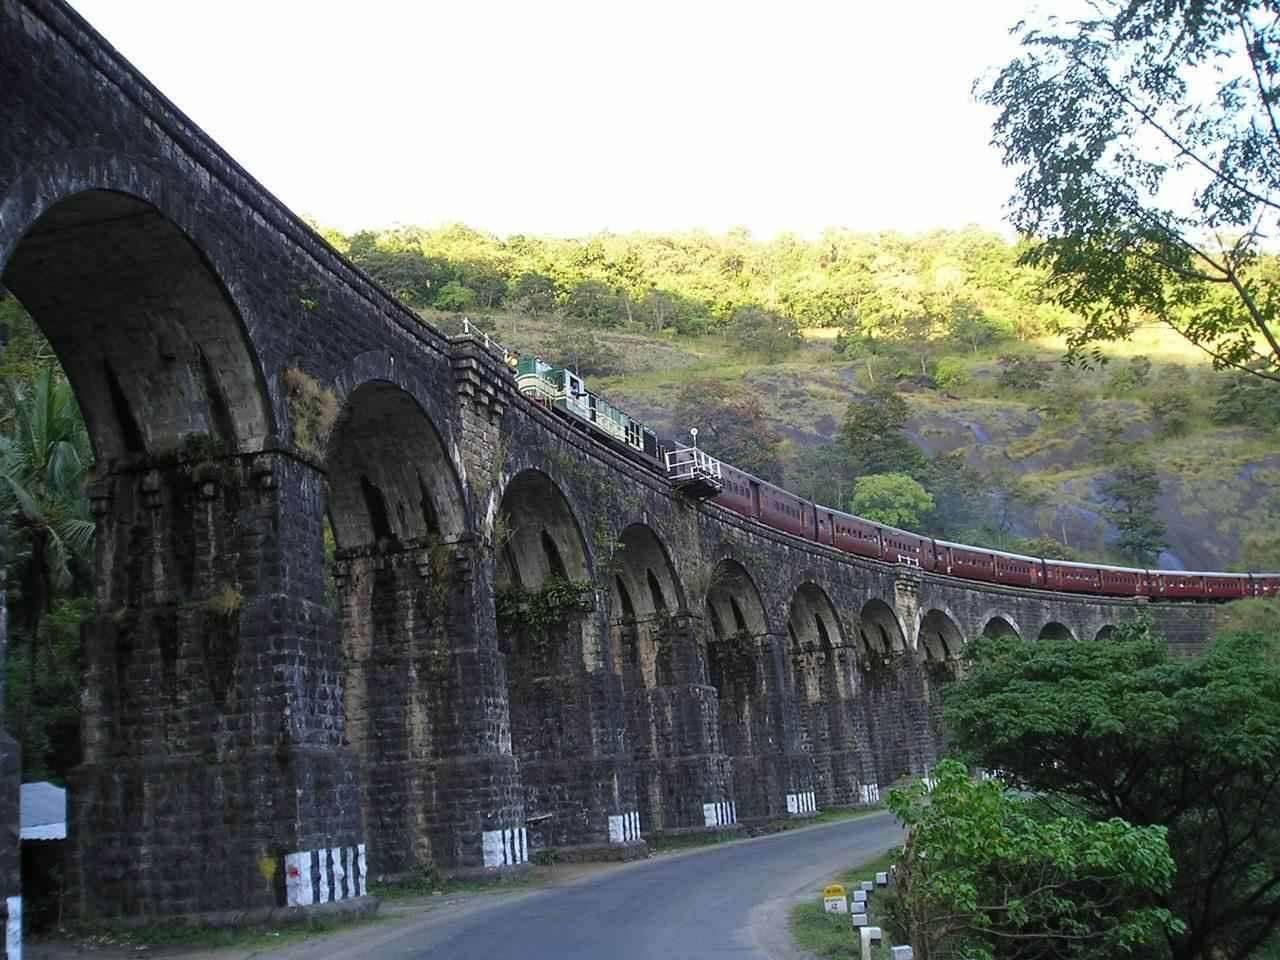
691 465
490 344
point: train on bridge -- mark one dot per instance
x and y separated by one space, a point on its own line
700 475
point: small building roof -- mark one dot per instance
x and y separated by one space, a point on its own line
43 811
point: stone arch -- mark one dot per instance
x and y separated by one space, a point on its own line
539 535
397 514
188 542
999 625
880 629
1105 632
813 633
549 637
1056 630
938 638
737 653
645 593
820 668
390 478
146 329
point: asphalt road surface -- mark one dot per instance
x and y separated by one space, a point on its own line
727 901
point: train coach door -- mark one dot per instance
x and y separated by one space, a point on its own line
755 499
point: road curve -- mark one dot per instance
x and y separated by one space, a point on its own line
725 901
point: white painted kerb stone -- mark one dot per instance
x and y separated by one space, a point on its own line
798 803
508 847
720 814
13 928
624 827
325 875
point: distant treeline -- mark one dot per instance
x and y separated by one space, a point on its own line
884 291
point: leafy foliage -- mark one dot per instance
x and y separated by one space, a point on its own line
1148 147
731 424
1121 730
892 498
872 433
1132 490
44 461
990 874
553 603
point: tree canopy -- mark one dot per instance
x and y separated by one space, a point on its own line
1120 729
988 874
1147 144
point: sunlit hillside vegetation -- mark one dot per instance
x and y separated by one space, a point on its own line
792 331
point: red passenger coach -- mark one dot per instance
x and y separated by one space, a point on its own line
1265 584
855 535
736 491
785 511
1017 570
1125 582
1208 586
902 546
1072 577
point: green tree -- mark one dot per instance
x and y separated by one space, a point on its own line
873 434
1132 492
581 350
454 296
533 294
731 425
763 332
1148 148
891 498
1123 729
44 458
43 465
990 874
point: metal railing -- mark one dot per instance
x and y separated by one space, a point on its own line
490 344
686 464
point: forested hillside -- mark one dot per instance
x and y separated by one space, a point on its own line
812 361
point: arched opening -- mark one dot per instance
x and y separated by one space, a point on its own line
396 511
1000 626
938 644
821 667
650 637
879 628
940 639
545 632
1053 630
143 328
889 693
735 667
158 571
644 587
1106 633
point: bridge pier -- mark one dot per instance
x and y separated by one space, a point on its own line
214 775
683 778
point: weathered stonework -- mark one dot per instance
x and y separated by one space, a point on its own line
270 714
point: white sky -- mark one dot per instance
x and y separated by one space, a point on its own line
570 117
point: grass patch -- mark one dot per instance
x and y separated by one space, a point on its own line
92 937
831 935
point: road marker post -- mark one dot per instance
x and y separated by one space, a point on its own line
834 899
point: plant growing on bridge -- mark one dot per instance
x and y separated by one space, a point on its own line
1123 730
313 410
553 603
989 874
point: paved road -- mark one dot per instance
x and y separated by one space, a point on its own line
728 901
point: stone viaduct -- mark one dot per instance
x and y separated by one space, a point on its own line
515 638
